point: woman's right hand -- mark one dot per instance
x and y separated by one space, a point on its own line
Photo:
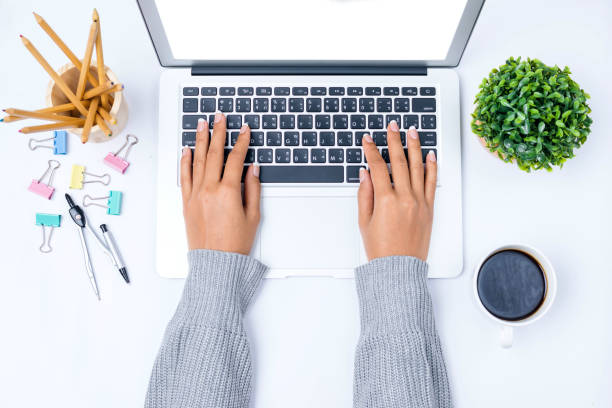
397 219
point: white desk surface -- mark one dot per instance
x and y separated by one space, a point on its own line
59 347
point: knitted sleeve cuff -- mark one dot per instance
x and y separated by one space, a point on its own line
393 295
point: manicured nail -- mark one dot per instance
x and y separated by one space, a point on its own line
244 128
393 126
201 124
431 156
412 132
218 117
256 170
185 150
361 174
368 138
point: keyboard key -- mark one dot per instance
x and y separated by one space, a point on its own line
411 120
366 104
263 91
336 91
234 137
261 104
245 91
428 121
402 105
341 122
282 155
279 105
190 91
264 155
358 137
287 121
209 91
281 91
424 153
269 121
190 105
300 155
250 156
327 138
336 155
380 138
427 91
226 153
296 105
428 138
373 91
243 104
304 121
396 118
318 91
383 105
301 174
227 91
313 105
208 105
332 104
234 121
188 139
385 155
358 121
226 104
317 155
355 91
409 91
349 104
375 121
300 91
309 138
352 174
322 121
353 155
292 139
211 121
252 120
391 90
423 104
274 139
191 121
257 139
345 138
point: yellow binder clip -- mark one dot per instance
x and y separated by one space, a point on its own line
77 178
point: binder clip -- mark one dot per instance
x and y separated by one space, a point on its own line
77 178
119 163
42 189
47 220
113 202
60 145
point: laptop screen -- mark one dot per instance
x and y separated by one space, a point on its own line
339 30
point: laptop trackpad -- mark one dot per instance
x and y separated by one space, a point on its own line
302 233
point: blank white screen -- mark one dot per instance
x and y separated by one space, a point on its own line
310 29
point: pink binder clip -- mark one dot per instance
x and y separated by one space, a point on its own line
42 189
120 163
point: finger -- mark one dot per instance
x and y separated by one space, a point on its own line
252 193
399 164
378 168
235 161
431 177
365 198
415 162
186 174
214 159
201 150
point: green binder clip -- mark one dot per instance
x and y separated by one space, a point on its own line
47 220
113 202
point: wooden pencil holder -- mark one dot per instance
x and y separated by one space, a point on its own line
70 74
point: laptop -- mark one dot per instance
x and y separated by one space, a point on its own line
310 78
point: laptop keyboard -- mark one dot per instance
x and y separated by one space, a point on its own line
312 134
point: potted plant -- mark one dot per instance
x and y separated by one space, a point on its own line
532 114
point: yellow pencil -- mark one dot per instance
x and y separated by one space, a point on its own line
53 109
100 122
40 115
100 90
106 115
93 108
100 59
58 80
91 40
51 126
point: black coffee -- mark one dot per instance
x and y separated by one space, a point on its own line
511 285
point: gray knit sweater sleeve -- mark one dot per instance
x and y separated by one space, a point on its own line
399 362
204 359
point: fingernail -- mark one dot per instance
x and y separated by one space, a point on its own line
218 117
393 126
431 156
201 124
185 150
412 132
244 128
256 170
368 138
361 174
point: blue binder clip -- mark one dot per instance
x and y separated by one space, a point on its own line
60 142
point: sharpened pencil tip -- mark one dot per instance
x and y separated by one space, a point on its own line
20 36
2 120
20 131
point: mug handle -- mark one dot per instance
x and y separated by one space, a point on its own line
506 336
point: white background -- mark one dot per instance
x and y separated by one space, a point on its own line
59 347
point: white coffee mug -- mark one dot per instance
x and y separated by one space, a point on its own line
507 327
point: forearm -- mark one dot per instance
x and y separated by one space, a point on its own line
399 360
204 359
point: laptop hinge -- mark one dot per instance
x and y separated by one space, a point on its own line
322 70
